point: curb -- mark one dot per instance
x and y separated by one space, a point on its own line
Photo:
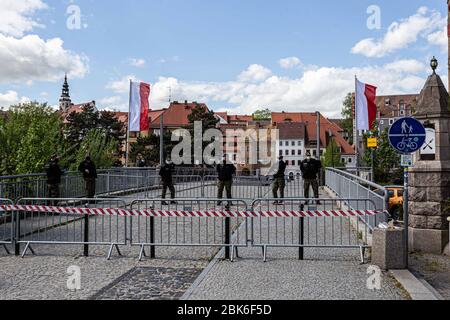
417 289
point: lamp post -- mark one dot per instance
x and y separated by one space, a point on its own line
434 64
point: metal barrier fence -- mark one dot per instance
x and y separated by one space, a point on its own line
346 185
68 222
324 224
188 223
6 224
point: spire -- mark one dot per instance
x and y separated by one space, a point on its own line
65 102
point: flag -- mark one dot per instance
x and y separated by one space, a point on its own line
139 107
366 108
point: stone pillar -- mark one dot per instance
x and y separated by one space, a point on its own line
429 204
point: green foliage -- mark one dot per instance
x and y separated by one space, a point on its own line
29 135
332 156
386 159
347 114
81 124
149 148
209 121
100 147
262 115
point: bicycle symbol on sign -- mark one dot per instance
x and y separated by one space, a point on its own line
408 144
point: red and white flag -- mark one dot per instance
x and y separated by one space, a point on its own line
366 108
139 107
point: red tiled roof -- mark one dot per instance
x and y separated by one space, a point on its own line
386 110
292 130
310 121
176 115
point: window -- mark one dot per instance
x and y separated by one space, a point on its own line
299 143
293 143
286 152
281 153
281 143
286 143
391 122
299 162
299 152
293 152
402 112
315 153
382 122
349 160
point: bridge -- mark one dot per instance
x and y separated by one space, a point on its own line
129 228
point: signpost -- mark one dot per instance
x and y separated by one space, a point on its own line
407 135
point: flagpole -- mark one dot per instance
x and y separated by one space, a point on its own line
127 157
356 128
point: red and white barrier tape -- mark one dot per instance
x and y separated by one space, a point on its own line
213 213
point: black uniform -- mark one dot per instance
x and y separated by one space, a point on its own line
280 182
89 171
225 172
141 163
166 173
54 174
310 169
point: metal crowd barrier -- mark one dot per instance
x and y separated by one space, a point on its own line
6 224
37 224
188 223
305 223
345 185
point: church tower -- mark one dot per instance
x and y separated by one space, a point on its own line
65 102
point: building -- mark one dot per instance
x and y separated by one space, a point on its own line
291 145
394 107
329 131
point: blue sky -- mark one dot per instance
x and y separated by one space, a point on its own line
223 52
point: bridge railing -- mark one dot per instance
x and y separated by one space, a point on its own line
346 185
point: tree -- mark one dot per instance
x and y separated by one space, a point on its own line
386 159
332 156
29 135
347 114
262 115
79 125
149 148
201 114
99 146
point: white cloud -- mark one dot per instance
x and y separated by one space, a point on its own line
137 62
15 16
31 58
439 38
406 65
289 63
11 98
255 73
401 34
318 88
122 85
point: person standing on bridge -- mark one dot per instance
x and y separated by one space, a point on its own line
280 182
54 174
166 173
89 171
225 171
310 169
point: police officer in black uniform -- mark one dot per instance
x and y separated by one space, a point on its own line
310 168
166 173
54 174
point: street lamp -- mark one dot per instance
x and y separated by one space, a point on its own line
434 64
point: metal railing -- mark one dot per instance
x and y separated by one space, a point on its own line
313 230
346 186
56 227
6 224
200 222
192 229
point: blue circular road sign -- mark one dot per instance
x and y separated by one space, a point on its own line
407 135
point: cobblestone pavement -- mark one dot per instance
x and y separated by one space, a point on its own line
435 269
150 284
325 274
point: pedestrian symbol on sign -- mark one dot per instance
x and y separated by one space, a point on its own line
407 135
